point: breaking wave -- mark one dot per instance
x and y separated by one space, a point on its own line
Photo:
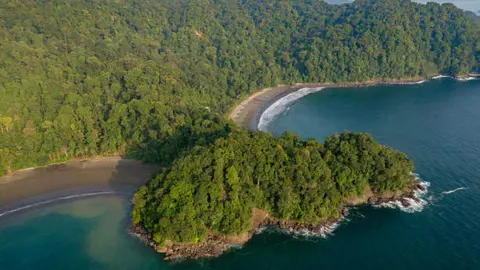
323 231
409 205
406 82
413 204
440 77
460 79
453 190
282 104
419 82
466 79
317 232
76 196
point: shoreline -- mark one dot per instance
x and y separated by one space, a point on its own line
63 196
21 172
215 244
109 175
249 111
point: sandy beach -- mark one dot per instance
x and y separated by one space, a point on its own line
248 112
96 175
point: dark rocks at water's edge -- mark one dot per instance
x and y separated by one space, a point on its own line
212 246
215 244
420 187
404 201
408 202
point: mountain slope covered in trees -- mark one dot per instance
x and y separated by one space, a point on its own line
82 77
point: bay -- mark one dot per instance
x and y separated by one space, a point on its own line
435 123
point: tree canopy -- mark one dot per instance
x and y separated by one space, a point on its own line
81 78
214 188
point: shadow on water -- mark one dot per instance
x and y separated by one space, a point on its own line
116 175
72 180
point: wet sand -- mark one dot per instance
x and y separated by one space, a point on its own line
248 112
74 177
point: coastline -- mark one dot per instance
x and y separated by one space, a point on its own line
109 173
249 112
101 176
216 244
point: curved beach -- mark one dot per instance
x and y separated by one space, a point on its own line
73 179
249 112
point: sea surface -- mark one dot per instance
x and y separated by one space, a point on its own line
436 123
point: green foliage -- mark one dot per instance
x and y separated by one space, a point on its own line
217 186
83 78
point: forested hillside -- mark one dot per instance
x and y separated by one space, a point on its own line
215 188
102 77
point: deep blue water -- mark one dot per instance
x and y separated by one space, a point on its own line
436 124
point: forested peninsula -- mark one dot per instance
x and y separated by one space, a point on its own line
154 80
220 195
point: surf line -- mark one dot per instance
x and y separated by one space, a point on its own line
282 104
453 190
61 199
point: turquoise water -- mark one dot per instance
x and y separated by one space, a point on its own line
435 123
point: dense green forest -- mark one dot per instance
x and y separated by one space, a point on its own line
104 77
216 187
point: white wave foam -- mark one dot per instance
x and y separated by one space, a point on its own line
260 230
282 104
59 199
420 82
414 205
453 190
440 77
407 83
410 205
466 79
424 184
460 79
323 232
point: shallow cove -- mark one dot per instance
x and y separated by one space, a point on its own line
436 124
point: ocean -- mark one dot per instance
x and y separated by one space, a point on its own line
435 123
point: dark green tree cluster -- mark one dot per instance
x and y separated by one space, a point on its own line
82 77
216 187
476 20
